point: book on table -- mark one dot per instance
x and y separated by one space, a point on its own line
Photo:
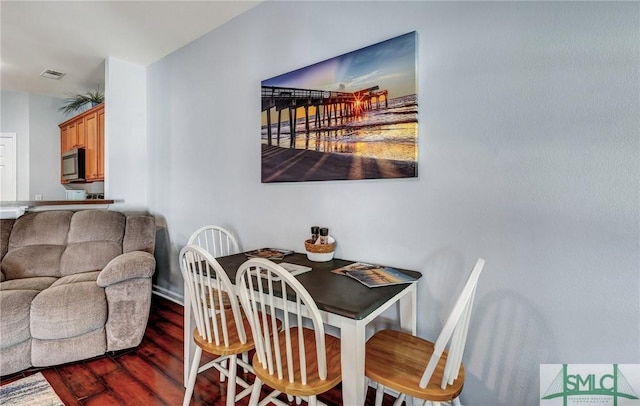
374 276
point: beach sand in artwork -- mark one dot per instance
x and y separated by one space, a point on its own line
293 165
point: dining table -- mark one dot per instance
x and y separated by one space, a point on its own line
344 303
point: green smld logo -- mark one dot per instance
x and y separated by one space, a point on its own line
613 385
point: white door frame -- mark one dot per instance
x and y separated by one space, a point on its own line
15 162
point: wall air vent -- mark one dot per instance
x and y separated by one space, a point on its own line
52 74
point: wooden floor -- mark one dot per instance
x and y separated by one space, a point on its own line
151 374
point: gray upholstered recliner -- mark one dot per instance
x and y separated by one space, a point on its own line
74 285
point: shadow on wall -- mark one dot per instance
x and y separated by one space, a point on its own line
162 279
507 341
443 277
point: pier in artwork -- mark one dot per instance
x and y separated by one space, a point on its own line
329 108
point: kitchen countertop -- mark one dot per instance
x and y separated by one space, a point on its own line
16 208
36 203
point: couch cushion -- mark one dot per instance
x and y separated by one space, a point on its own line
54 352
14 322
6 225
81 277
32 261
72 306
95 238
15 358
15 302
36 284
40 228
35 245
88 256
97 225
140 234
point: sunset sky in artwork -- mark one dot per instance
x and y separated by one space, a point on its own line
390 64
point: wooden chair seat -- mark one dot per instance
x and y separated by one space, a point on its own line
226 303
397 359
314 385
235 345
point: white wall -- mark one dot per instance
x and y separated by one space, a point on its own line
34 119
125 135
528 157
44 150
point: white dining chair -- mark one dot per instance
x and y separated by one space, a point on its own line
221 328
415 367
295 360
218 241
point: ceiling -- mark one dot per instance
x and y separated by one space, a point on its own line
75 37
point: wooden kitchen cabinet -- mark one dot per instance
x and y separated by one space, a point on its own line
86 130
94 148
72 135
101 143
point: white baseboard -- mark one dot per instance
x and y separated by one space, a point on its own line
167 294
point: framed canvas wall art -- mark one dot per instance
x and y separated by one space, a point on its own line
354 116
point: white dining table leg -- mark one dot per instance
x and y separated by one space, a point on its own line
352 351
408 310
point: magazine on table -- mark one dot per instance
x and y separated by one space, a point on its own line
294 269
373 276
269 253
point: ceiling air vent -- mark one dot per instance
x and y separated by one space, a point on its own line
51 74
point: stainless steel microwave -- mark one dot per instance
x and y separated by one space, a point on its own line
73 165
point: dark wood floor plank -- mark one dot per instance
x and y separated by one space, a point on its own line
102 366
171 316
208 388
167 343
105 399
60 388
171 330
170 391
130 390
161 359
81 381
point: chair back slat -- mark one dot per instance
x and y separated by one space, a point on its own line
218 241
273 328
278 292
301 344
287 331
456 349
208 289
260 315
454 332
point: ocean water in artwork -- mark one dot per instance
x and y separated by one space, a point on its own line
388 130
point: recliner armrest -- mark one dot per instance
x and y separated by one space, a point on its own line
131 265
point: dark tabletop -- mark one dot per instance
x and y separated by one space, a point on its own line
333 293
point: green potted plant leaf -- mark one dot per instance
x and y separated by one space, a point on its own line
76 101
